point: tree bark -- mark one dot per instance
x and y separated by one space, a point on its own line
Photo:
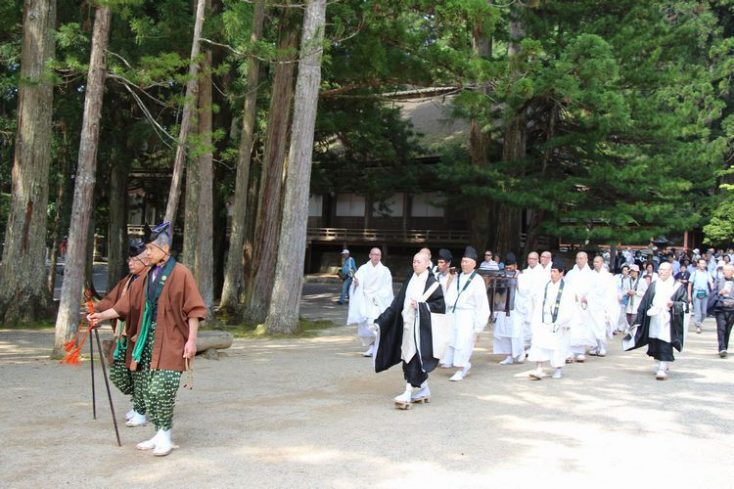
274 162
515 144
191 213
234 271
79 229
204 263
479 145
61 204
23 294
117 242
286 298
192 87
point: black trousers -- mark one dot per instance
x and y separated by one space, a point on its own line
724 321
660 350
413 372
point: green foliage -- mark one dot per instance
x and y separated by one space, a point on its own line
621 109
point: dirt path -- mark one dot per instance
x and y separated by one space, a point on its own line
311 413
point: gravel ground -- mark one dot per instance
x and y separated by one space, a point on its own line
311 413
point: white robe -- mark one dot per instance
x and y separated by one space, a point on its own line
603 305
623 285
443 279
539 276
640 287
581 281
512 334
369 299
416 289
470 313
659 311
551 338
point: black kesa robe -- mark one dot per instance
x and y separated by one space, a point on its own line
680 307
391 328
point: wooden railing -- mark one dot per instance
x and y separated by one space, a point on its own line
346 235
381 235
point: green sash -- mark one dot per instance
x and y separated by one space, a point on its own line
151 299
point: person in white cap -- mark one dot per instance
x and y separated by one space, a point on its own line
349 268
635 292
370 294
623 281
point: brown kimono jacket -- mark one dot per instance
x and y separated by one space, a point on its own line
114 295
180 300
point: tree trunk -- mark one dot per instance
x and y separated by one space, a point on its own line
61 197
192 87
204 264
233 275
274 162
79 229
514 149
191 213
540 215
515 142
23 295
117 242
286 298
479 143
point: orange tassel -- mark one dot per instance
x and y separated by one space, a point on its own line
74 346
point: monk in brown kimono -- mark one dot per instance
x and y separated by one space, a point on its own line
163 312
127 381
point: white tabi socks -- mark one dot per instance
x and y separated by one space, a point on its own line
150 444
460 374
136 419
370 351
422 395
404 398
164 445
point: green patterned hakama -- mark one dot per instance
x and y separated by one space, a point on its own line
159 387
129 382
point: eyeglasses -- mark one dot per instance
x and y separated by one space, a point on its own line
488 254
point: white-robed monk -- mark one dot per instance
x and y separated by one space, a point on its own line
510 314
603 306
371 293
467 302
553 312
546 260
581 280
535 276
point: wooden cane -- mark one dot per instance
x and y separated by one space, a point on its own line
91 368
107 385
